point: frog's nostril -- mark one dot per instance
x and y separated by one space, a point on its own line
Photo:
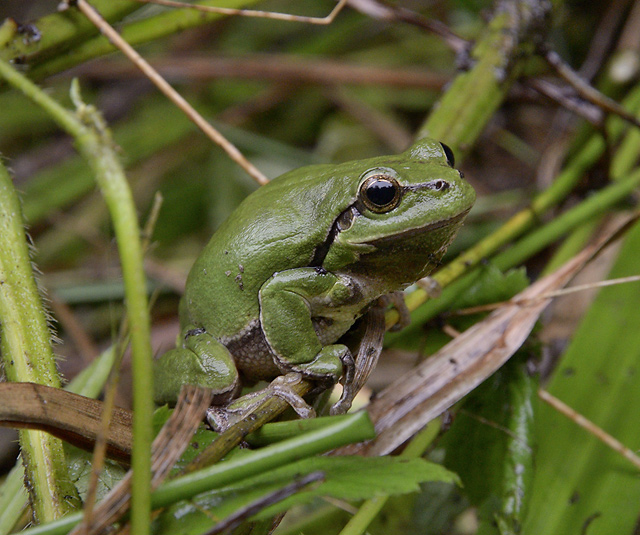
440 185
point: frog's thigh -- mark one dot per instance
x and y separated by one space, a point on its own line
285 316
202 361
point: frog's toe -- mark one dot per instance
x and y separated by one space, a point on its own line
220 419
396 299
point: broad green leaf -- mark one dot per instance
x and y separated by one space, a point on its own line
490 446
488 284
346 478
80 466
580 485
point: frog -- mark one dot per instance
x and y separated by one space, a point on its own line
301 260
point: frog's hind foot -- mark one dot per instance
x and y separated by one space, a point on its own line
281 387
396 300
221 418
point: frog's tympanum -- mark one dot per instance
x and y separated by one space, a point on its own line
301 259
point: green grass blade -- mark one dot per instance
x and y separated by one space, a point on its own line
579 481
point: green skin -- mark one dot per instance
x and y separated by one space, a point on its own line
301 259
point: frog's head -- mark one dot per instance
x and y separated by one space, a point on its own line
407 210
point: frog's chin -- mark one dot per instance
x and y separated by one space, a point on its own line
409 256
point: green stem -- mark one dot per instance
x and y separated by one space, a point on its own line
354 428
524 220
497 60
94 142
572 245
28 356
590 208
278 431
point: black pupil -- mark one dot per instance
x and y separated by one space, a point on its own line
381 192
451 160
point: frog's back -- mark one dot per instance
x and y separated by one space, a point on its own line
277 227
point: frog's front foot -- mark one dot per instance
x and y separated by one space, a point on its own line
221 418
331 363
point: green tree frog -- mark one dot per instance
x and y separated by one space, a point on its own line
301 259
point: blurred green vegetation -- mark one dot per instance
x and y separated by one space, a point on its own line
290 94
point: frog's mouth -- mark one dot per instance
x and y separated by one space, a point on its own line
346 218
409 233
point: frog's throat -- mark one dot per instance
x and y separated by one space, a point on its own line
322 250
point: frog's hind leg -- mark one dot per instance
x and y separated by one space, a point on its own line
202 361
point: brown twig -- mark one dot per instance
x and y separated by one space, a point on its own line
630 35
167 448
607 30
583 88
589 426
556 143
113 36
71 417
328 19
278 68
381 11
569 100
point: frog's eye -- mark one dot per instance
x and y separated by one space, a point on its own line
380 193
451 159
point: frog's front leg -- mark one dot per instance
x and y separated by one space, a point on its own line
288 302
203 361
